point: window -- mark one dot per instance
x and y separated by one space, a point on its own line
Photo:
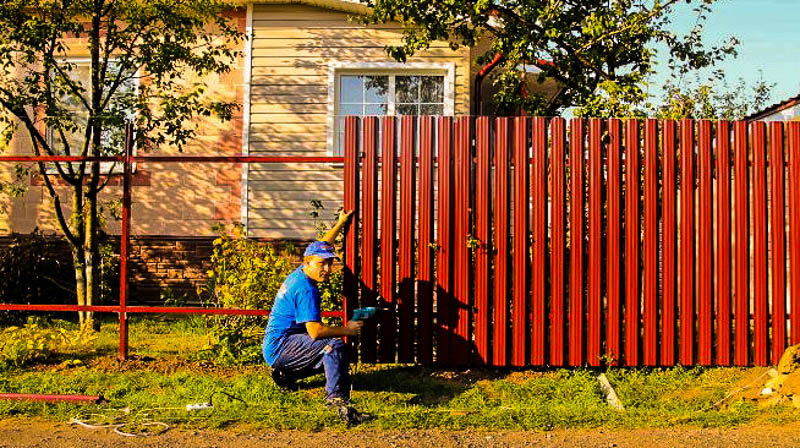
121 105
388 94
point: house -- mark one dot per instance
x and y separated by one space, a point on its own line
306 66
788 110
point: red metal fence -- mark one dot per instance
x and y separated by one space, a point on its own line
619 242
127 161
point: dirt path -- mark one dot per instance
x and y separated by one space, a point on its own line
27 433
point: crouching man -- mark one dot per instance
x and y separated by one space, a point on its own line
296 342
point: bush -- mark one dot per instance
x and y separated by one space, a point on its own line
32 273
245 274
36 340
35 269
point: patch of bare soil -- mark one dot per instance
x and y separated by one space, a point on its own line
34 433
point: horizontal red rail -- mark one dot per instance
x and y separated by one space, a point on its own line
174 159
148 309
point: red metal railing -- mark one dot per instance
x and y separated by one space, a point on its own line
127 160
526 273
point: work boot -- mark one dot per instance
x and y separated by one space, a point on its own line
345 410
283 380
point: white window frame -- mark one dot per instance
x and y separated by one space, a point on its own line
105 167
337 69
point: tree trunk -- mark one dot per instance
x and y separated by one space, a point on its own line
91 254
78 262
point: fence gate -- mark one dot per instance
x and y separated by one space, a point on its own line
540 241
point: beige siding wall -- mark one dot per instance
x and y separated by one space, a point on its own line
294 51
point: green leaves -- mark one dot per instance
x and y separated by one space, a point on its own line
594 49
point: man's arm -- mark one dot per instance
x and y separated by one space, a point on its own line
319 331
331 235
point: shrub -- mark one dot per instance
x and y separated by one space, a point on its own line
31 272
36 340
245 274
35 269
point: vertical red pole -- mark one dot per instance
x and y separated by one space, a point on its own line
613 263
687 242
778 240
669 260
123 243
760 243
408 200
650 349
742 286
520 240
595 301
461 352
501 234
723 264
576 209
632 234
369 235
351 169
558 244
794 229
388 241
539 265
444 274
705 268
483 191
424 250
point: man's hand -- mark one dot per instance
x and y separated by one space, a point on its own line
345 215
330 236
355 327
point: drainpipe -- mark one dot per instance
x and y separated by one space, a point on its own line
478 105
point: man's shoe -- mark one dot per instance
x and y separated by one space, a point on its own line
283 380
347 412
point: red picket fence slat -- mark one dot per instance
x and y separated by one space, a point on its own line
369 234
613 240
723 260
388 241
558 244
632 237
425 270
608 244
778 266
742 243
650 346
576 235
669 262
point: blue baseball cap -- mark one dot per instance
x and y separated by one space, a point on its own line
322 249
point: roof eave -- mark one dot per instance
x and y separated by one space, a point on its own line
348 6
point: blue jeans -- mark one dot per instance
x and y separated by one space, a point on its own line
301 356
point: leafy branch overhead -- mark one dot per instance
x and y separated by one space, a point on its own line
586 46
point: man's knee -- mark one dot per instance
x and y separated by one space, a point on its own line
334 346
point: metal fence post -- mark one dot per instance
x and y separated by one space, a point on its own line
123 249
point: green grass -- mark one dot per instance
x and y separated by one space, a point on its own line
165 375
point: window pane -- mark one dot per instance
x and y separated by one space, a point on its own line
351 109
375 109
351 89
432 89
407 109
431 109
407 89
376 89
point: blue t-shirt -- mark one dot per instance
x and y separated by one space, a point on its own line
297 302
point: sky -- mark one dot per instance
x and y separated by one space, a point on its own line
769 32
